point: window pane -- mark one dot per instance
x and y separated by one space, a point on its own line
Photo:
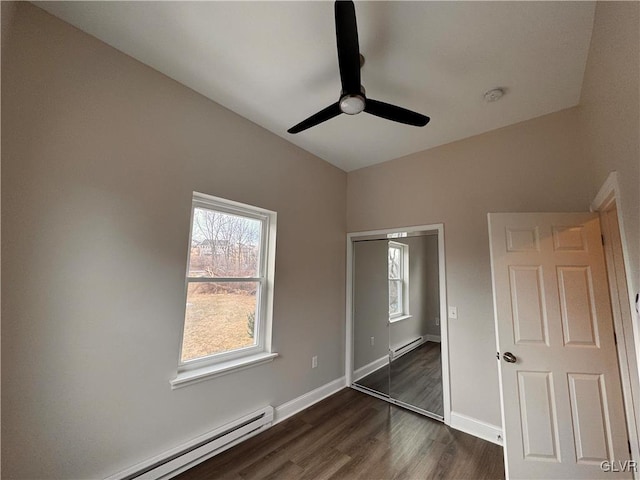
224 245
394 262
220 316
395 297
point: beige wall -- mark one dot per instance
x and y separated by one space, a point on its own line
610 115
100 156
429 287
370 302
7 10
532 166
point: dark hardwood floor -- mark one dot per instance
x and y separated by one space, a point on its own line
351 435
416 378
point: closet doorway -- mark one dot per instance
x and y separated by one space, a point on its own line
397 343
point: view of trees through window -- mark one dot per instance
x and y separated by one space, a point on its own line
224 245
223 283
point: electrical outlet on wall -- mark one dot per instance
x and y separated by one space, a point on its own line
453 312
437 320
373 341
314 361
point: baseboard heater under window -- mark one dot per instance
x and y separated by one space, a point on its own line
179 459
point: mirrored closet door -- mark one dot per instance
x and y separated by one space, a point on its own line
370 316
396 320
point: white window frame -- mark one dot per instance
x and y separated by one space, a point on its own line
199 369
404 282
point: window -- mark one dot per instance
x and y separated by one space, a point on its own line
398 280
229 288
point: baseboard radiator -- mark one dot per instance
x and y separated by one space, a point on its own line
179 459
407 347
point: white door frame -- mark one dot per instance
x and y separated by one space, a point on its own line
444 328
607 198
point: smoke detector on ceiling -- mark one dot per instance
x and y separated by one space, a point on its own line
494 95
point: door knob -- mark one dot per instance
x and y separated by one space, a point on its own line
509 357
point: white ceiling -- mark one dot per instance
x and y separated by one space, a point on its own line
275 63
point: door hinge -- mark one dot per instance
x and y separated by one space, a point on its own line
498 355
629 445
602 237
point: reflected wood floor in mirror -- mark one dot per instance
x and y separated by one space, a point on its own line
416 378
378 380
351 435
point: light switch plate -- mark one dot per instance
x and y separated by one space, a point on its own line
453 312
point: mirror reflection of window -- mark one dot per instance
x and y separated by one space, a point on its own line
398 279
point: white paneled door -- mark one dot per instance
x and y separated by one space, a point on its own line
562 408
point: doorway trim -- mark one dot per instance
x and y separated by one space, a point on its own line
608 198
608 195
444 324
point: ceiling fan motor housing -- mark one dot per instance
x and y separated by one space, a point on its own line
353 103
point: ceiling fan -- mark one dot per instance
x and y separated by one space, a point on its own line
352 98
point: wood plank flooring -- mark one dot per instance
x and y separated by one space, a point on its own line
416 378
351 435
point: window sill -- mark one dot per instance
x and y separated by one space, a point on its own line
399 319
190 377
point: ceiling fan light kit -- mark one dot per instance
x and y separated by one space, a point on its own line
352 104
352 98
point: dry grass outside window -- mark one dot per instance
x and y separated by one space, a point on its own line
216 322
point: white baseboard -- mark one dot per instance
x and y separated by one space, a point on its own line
296 405
477 428
370 368
432 338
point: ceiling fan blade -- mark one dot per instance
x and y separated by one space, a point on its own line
322 116
348 49
394 113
